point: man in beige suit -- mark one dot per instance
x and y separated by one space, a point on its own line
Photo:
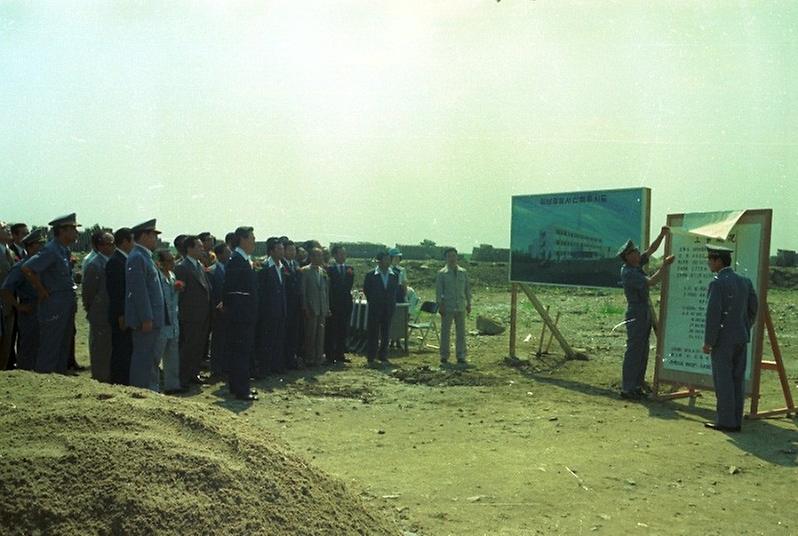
315 305
453 294
94 294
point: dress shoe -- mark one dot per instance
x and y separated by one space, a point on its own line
720 428
632 395
249 397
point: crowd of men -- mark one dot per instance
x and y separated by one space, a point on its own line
154 317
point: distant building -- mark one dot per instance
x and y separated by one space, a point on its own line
557 243
487 253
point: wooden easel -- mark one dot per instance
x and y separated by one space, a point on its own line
547 322
778 365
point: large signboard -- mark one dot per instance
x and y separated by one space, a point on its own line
572 238
684 292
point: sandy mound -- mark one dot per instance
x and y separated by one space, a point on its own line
79 457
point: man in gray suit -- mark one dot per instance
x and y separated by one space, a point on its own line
453 294
94 295
144 306
731 308
194 311
315 305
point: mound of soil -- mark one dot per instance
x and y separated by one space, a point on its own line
425 375
80 457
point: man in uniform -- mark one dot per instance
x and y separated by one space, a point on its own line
638 313
20 295
731 308
144 306
50 273
94 295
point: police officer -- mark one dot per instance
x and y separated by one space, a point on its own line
20 295
50 273
145 308
731 308
638 313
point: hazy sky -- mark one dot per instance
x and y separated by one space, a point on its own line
393 121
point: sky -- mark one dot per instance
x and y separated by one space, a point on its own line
393 121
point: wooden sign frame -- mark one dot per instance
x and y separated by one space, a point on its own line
763 322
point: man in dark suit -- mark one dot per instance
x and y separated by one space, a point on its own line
380 287
342 277
293 300
115 275
18 233
272 311
732 305
194 310
145 307
240 306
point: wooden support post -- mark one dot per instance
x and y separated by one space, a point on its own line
513 317
569 352
551 335
542 336
778 365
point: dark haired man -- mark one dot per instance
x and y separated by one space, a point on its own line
195 311
380 287
342 278
18 233
145 308
121 337
179 247
240 306
453 294
732 305
638 313
94 295
272 310
50 273
294 334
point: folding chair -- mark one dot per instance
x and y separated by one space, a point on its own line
430 309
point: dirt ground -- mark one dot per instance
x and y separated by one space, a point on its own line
536 446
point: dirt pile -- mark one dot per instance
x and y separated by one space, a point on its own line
79 457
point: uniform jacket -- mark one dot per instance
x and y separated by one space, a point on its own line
240 295
731 308
195 298
144 297
94 292
452 291
315 290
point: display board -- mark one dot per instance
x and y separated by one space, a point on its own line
572 238
680 359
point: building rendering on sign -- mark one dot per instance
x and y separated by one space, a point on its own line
557 242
